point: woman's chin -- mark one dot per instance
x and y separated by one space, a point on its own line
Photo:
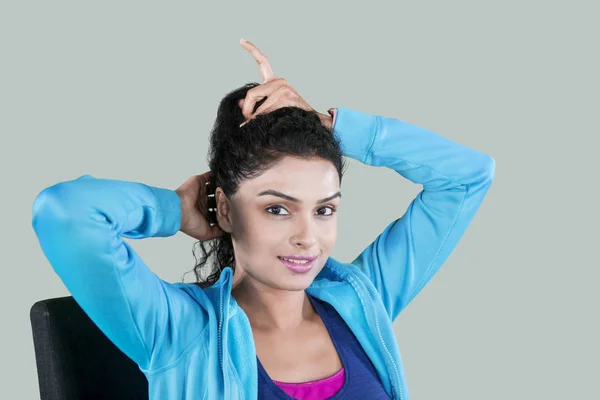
292 281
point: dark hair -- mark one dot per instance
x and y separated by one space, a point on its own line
237 154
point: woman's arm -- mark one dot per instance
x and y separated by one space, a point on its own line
80 225
455 179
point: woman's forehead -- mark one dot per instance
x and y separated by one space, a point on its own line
300 178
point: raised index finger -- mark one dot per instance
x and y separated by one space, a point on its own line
261 59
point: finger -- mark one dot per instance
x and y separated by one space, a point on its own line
215 231
276 100
205 176
279 98
261 59
257 93
285 96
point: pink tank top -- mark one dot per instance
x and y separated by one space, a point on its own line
319 389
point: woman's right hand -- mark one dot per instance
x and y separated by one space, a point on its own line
192 194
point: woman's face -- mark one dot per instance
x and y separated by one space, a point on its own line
266 226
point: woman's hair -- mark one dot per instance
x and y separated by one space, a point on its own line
237 154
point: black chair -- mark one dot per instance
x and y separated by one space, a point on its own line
75 360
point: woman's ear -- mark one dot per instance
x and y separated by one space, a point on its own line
223 211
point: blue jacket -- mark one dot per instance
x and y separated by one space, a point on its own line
194 343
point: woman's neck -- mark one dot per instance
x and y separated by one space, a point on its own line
271 309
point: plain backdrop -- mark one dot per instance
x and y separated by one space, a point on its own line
129 90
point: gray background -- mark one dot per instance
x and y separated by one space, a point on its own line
129 90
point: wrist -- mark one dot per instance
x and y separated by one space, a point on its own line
181 203
326 120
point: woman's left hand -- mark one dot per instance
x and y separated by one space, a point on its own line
278 91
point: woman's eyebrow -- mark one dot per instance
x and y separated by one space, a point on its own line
272 192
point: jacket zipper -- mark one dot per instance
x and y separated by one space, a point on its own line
387 351
221 316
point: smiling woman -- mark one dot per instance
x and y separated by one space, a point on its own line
277 182
277 317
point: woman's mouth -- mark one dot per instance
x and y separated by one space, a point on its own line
298 266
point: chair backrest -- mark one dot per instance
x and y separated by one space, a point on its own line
75 360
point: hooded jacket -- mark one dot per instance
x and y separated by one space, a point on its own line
194 343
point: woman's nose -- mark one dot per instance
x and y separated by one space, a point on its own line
304 234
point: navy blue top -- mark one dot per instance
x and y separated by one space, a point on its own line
361 381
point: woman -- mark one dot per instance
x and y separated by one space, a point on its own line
277 318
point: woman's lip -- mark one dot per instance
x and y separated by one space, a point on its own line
299 257
299 268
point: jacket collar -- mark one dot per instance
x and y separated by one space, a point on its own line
344 287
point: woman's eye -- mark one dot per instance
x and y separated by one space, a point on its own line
331 211
279 210
276 208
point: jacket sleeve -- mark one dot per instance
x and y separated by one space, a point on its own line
455 179
80 225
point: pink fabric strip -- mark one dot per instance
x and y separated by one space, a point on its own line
314 390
